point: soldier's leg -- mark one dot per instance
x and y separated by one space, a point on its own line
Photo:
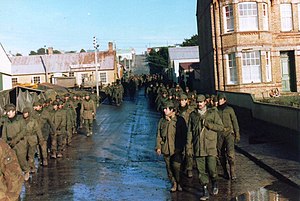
30 155
231 155
213 173
171 176
189 165
221 147
53 145
43 150
69 136
60 144
176 168
201 166
91 126
87 127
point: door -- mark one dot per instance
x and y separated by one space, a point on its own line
285 72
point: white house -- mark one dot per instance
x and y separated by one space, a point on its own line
5 70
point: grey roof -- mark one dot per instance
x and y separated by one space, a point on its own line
179 53
59 63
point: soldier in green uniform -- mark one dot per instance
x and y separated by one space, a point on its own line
13 134
88 113
42 115
170 141
227 137
184 110
204 123
11 178
57 138
34 136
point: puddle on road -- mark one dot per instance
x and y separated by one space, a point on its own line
274 192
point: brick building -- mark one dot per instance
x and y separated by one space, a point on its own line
249 46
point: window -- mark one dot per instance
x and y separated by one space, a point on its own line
103 77
299 16
71 74
251 71
286 17
248 16
268 67
228 18
14 80
231 73
265 17
36 80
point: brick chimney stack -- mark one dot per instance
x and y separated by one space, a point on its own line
110 47
50 50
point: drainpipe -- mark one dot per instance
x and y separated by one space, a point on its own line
216 47
44 66
222 52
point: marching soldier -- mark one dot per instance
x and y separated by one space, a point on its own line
13 134
88 113
204 123
227 137
170 141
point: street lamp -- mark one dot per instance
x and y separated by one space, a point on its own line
96 63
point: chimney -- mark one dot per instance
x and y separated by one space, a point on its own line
50 50
110 47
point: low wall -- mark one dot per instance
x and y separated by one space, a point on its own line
284 116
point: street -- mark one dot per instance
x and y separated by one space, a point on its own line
118 162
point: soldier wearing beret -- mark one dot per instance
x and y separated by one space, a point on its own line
170 141
227 137
204 123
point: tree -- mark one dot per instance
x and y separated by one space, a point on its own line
18 54
193 41
41 51
158 60
82 50
32 53
56 52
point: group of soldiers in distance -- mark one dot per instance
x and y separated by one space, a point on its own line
194 129
45 130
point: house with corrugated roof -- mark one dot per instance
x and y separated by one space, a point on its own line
5 70
53 68
178 56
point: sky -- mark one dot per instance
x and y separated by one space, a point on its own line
70 25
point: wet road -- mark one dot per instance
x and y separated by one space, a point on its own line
119 163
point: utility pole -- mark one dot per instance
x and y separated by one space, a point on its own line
96 64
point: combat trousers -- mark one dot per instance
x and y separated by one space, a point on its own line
207 168
21 152
225 146
88 124
173 168
43 149
69 135
189 162
30 154
57 142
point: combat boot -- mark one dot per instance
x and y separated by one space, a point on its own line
190 173
205 195
45 162
215 189
179 188
59 155
232 172
26 176
174 187
53 155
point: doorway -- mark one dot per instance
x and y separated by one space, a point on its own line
288 71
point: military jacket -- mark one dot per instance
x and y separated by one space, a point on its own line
13 134
59 119
202 132
11 177
44 121
32 131
229 120
171 135
88 109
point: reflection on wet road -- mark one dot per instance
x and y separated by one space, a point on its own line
119 163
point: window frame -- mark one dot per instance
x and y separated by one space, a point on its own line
231 68
249 21
14 80
265 14
36 79
251 67
268 66
101 76
286 16
228 21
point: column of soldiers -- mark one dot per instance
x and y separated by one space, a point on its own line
205 137
45 129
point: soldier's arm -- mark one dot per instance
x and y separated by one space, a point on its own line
158 136
234 121
38 131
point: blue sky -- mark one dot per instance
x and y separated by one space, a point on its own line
71 24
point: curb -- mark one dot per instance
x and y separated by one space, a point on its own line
269 169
